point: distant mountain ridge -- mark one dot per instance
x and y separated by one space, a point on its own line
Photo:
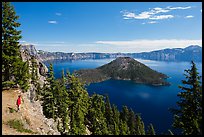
192 52
123 68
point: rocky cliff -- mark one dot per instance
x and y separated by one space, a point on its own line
31 114
27 53
193 52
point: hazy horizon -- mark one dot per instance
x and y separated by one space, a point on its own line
106 52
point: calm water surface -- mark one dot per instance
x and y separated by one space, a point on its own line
152 102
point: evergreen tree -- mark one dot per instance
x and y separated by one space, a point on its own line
123 128
62 105
38 91
22 75
11 58
34 75
49 96
188 116
131 122
79 105
109 115
140 129
97 125
51 78
124 116
116 119
150 130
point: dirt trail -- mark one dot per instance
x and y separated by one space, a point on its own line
9 98
30 114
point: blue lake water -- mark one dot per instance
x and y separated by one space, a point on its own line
152 102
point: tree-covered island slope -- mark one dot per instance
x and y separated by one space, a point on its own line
123 68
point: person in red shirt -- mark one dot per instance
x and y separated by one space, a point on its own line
18 103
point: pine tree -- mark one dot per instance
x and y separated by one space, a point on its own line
140 129
188 116
22 75
150 130
11 58
34 75
131 122
116 119
123 128
96 115
109 115
124 116
49 96
79 105
62 105
38 91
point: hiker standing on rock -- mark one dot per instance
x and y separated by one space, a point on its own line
18 103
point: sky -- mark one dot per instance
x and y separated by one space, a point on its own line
109 27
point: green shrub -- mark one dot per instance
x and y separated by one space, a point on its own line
18 125
8 84
11 110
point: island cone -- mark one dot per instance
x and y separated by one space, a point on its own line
123 68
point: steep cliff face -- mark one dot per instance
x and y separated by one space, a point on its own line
31 109
29 51
31 113
45 56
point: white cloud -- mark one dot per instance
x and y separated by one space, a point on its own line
52 22
201 10
126 18
47 43
160 17
152 22
179 8
143 45
158 9
189 16
132 46
23 42
153 14
58 14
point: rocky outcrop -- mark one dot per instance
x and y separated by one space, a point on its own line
27 53
29 48
32 107
42 69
